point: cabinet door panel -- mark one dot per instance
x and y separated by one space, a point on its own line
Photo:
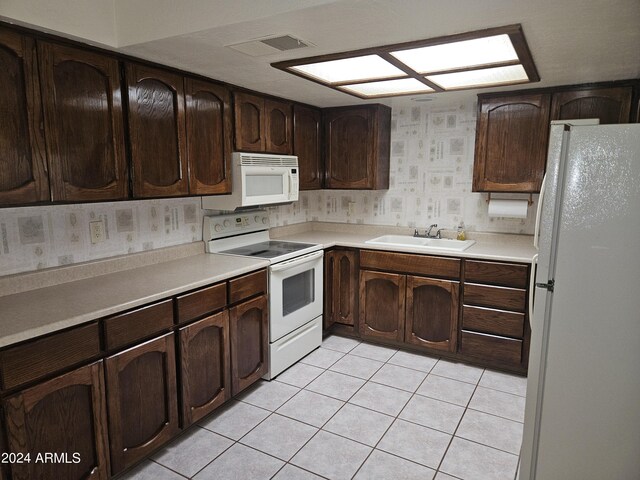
349 148
345 291
249 122
142 398
432 313
205 366
23 166
157 132
609 105
382 302
249 328
84 123
306 145
278 127
65 415
328 314
511 144
209 137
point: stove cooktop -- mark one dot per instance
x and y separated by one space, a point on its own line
268 249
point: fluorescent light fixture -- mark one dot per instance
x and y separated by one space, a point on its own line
485 58
385 88
480 78
367 67
463 54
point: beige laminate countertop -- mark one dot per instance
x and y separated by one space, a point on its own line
508 248
44 310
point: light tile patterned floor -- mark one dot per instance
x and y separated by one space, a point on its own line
355 410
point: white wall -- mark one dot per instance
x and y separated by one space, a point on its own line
92 20
432 149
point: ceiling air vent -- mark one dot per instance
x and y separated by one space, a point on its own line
270 45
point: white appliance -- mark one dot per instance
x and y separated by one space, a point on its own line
258 179
295 282
582 415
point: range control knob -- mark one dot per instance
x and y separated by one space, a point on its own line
257 218
227 223
217 227
265 220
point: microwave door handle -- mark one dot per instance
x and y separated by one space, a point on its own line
296 261
290 184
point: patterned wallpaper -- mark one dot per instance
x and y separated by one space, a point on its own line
431 171
33 238
432 150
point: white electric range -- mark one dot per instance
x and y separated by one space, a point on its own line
295 282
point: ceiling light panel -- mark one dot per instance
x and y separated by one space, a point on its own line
464 54
368 67
484 58
481 78
403 86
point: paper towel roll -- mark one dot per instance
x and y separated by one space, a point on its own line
508 208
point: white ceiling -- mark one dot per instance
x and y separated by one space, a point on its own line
572 41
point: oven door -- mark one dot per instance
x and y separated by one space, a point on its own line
295 295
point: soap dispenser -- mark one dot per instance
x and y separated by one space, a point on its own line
461 233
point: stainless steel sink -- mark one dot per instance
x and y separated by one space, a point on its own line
426 243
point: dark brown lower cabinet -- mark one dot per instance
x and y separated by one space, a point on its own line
204 366
65 416
382 302
142 399
341 289
249 329
432 313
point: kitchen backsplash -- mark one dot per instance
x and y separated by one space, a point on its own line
431 173
33 238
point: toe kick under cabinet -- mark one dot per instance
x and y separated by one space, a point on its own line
101 396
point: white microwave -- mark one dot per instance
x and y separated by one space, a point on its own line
258 179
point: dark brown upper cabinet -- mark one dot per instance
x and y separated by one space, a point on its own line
357 141
83 123
307 141
209 136
249 122
511 143
262 125
278 127
23 166
609 105
157 132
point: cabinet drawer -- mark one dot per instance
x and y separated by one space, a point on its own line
490 320
247 286
490 347
201 302
507 274
129 327
408 263
38 358
498 297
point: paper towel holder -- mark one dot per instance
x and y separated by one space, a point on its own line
529 202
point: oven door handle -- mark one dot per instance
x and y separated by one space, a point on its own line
296 261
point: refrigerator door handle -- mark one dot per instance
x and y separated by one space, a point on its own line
532 285
536 230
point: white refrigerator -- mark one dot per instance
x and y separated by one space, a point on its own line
582 415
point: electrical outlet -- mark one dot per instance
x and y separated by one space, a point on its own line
96 230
